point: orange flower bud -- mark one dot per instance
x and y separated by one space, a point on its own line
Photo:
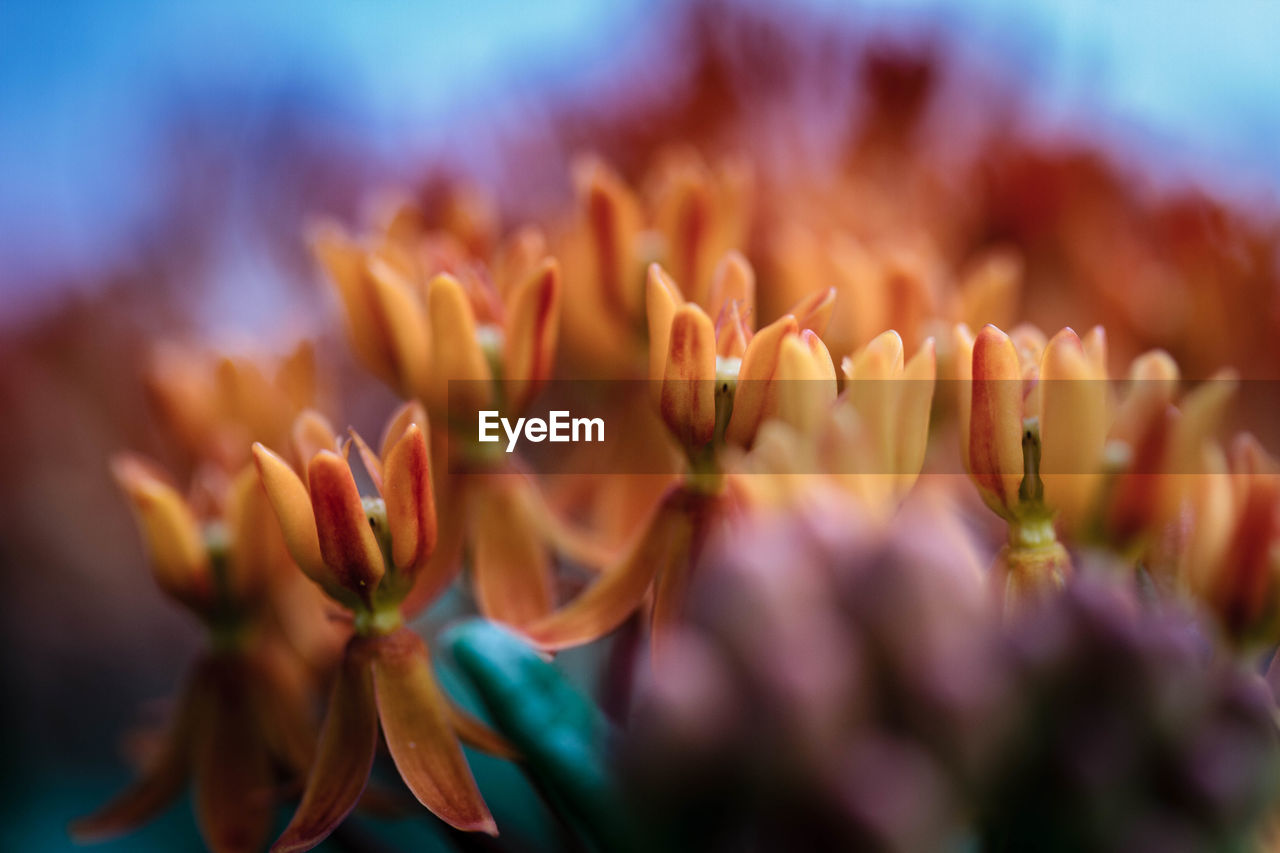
688 384
179 557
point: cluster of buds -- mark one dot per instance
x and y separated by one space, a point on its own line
369 554
219 554
1052 452
691 215
716 385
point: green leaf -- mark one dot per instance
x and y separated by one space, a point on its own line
563 737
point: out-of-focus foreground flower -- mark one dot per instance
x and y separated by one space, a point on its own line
368 554
843 687
242 728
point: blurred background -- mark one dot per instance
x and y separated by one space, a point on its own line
159 163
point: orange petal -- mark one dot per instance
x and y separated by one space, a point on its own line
753 399
662 298
233 785
688 386
962 366
806 381
1073 427
517 257
612 217
254 546
411 507
995 427
160 782
989 291
346 263
344 756
732 332
684 216
913 412
874 398
347 543
510 563
402 322
371 461
446 559
415 720
473 732
179 559
603 606
297 519
311 434
532 330
814 311
408 413
732 281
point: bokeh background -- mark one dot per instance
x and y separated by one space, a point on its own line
160 161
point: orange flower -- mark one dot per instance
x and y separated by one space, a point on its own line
715 387
461 342
717 383
1042 440
421 315
372 555
1230 554
243 722
870 444
214 407
694 215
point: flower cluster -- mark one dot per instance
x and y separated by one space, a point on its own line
911 571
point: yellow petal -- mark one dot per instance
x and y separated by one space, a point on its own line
293 510
455 355
416 722
179 559
1073 428
913 413
347 543
962 367
688 385
254 545
754 399
882 358
806 381
403 325
662 298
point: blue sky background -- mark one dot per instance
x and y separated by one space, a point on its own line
1192 86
